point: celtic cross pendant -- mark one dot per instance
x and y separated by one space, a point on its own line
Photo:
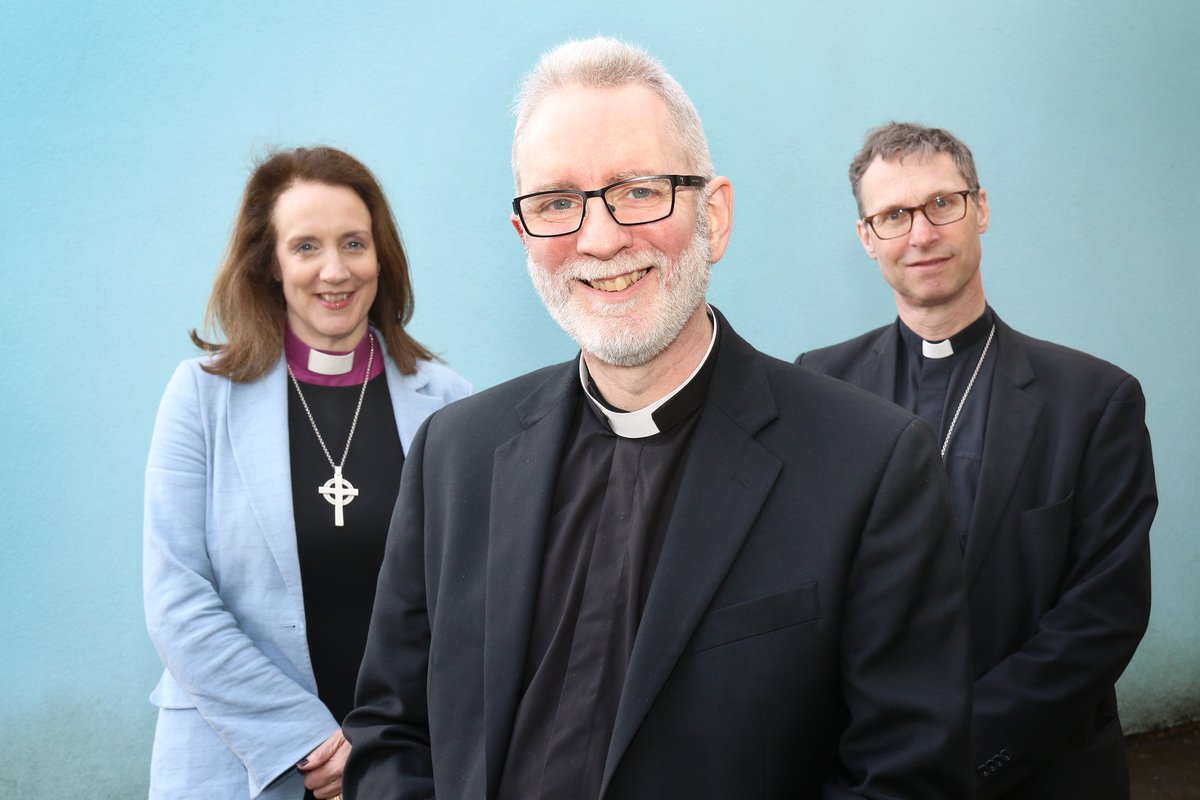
339 493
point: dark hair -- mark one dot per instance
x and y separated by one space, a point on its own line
247 304
900 139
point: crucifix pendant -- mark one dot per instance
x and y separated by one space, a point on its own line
338 492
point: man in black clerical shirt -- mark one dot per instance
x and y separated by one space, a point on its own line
1050 472
672 567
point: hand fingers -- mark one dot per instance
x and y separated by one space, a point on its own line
325 779
327 791
330 792
324 751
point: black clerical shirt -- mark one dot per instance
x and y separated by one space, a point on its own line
339 566
931 388
612 505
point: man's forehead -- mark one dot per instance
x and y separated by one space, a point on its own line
574 100
910 177
584 135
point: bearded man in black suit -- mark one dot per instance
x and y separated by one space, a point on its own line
673 566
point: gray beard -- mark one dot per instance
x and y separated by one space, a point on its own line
621 334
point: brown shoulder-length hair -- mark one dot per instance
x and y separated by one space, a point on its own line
247 304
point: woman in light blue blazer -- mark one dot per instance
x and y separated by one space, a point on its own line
272 474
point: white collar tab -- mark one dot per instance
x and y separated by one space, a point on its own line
328 363
942 349
641 423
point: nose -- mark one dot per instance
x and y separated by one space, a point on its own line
600 236
334 269
923 231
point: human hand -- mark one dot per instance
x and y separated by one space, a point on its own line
323 767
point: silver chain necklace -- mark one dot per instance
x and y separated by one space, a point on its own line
974 375
338 491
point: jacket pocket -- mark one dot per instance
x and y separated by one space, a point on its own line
1045 543
1047 519
756 617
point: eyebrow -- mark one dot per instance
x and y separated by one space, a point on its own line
926 201
571 186
636 173
291 241
553 187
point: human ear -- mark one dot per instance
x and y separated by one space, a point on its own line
719 207
982 213
864 236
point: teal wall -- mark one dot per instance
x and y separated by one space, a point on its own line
126 131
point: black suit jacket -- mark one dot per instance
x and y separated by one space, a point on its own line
1057 558
805 630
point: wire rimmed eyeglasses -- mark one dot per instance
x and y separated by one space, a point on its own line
633 201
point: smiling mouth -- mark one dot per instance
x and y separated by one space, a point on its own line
930 262
339 297
619 283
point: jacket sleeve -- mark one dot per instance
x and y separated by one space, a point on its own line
905 656
1029 705
266 717
389 727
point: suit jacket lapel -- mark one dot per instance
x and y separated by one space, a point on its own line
525 469
258 439
1012 419
877 374
726 481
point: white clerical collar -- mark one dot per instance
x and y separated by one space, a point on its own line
640 424
940 349
330 363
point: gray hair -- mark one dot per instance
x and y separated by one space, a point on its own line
896 140
608 63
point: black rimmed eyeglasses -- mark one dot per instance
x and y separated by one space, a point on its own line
634 201
941 210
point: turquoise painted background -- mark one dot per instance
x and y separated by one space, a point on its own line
127 130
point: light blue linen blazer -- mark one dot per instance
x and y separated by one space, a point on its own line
238 703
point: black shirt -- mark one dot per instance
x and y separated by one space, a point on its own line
339 566
932 388
611 509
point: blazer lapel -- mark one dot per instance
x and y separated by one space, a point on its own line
726 482
410 405
1012 419
525 469
258 439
